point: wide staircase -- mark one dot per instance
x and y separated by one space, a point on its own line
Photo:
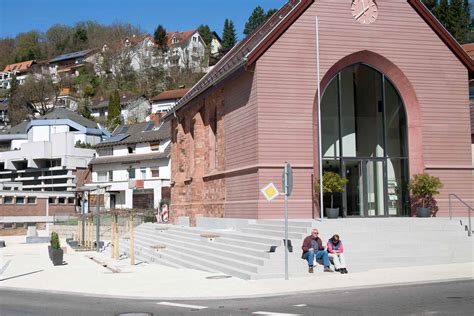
256 250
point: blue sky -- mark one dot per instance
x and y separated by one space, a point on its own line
18 16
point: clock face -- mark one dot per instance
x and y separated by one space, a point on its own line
364 11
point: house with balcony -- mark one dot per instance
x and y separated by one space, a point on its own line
47 157
164 101
186 50
134 166
19 70
134 108
70 64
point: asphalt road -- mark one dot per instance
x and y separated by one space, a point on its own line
448 298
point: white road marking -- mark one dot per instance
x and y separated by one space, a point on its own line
182 305
300 305
273 314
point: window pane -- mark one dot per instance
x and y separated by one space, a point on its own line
20 200
395 120
31 200
368 111
8 200
348 112
330 120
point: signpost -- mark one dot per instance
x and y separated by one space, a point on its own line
288 188
271 192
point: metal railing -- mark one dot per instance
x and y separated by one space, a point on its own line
469 232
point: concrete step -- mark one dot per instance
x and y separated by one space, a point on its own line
295 223
273 233
168 260
265 240
280 227
204 247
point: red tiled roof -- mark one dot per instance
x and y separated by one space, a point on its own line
181 36
170 95
20 67
469 48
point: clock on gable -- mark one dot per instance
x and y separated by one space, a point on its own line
364 11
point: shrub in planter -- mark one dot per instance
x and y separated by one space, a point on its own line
56 253
332 183
424 188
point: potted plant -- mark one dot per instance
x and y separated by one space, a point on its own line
56 253
332 183
423 188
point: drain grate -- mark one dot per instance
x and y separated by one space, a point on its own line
134 314
218 277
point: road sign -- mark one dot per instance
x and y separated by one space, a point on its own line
270 191
287 179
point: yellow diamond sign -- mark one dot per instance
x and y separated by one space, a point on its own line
270 191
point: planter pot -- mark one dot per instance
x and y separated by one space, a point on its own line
49 252
423 212
57 256
332 212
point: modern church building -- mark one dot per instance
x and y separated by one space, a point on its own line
394 103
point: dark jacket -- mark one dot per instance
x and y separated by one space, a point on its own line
307 245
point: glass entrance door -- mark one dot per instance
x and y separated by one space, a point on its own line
366 188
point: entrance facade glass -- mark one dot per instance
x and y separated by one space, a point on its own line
364 138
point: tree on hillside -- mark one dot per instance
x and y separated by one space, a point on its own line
7 52
205 33
160 37
28 46
40 92
442 13
114 111
229 35
458 21
255 20
58 39
431 5
18 109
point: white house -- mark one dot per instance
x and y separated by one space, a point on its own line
134 108
164 101
134 165
46 155
20 70
186 50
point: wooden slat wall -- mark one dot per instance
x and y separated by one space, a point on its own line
286 83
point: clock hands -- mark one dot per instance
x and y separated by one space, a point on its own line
364 9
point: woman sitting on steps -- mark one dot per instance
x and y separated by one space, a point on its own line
335 250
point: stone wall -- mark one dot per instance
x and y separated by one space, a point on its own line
198 152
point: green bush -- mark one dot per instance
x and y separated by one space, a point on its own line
55 243
332 183
424 186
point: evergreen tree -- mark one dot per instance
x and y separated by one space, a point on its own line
160 37
255 20
113 118
270 12
458 24
442 13
205 33
229 35
431 5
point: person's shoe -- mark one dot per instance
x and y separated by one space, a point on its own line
328 270
341 271
345 271
337 270
310 269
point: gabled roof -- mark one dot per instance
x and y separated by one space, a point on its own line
181 36
138 133
65 114
170 95
20 67
17 129
249 50
74 55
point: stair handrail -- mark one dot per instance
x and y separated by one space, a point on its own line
469 233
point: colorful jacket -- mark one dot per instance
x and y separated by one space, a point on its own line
307 245
332 247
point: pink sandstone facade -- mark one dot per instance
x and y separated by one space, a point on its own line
232 139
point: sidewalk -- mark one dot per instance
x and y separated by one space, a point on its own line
28 267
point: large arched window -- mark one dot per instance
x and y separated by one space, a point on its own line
364 137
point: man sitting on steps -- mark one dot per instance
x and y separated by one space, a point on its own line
313 247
